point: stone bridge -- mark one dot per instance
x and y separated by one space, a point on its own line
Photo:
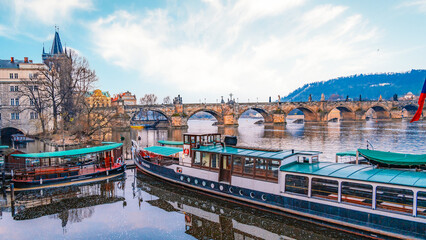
275 113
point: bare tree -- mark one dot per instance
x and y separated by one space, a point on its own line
66 80
167 100
148 99
35 99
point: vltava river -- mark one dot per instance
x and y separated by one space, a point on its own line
139 207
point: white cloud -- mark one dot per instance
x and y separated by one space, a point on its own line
250 48
48 11
419 4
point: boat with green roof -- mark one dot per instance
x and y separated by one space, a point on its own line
69 167
373 199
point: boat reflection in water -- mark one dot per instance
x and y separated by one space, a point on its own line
69 204
210 218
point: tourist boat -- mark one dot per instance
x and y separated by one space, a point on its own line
365 198
63 168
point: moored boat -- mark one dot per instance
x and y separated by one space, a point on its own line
388 202
63 168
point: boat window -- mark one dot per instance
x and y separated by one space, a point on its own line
394 199
192 139
273 166
248 165
205 161
197 159
260 168
296 184
421 204
218 138
215 161
323 188
237 165
314 159
356 193
186 139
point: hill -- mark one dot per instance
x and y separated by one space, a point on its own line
369 86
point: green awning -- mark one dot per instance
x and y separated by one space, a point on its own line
347 153
4 147
391 158
164 151
69 153
165 142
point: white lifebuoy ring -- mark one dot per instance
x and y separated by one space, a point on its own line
186 151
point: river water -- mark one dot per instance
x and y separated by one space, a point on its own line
139 207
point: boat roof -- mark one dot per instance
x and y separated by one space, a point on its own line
278 155
201 134
4 147
347 153
69 153
359 172
170 142
392 158
164 151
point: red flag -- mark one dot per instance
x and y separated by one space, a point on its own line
421 102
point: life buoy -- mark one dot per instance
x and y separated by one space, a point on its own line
187 219
186 151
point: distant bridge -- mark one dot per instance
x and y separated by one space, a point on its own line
275 113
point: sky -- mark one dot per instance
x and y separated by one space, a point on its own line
206 49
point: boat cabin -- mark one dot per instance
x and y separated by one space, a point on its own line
207 152
62 164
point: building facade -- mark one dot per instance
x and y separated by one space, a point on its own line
16 109
98 98
126 98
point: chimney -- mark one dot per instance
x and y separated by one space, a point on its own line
25 59
12 59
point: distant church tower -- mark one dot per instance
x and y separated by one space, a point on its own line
56 50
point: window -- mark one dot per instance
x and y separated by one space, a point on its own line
197 159
0 116
12 88
16 75
421 204
296 184
16 89
17 101
30 75
237 165
31 102
260 168
35 88
12 102
248 165
14 116
357 193
205 161
273 166
323 188
394 199
11 75
215 161
33 115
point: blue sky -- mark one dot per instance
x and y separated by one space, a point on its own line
207 49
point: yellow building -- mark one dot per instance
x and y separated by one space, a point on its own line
98 98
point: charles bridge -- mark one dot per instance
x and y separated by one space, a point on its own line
275 113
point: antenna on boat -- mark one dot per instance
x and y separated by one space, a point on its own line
369 143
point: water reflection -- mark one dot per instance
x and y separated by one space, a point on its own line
68 204
209 218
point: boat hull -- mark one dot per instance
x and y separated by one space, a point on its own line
71 180
346 218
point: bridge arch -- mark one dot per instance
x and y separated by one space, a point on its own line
341 113
267 118
215 114
6 134
378 112
151 117
309 114
408 110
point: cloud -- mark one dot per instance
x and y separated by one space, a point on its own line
419 4
47 11
250 48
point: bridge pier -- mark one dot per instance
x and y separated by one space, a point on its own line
230 120
278 119
179 122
